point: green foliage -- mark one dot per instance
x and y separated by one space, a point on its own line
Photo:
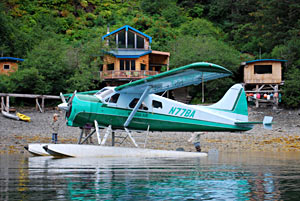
200 27
289 51
189 49
291 89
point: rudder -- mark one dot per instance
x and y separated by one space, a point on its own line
234 100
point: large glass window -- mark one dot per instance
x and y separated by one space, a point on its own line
140 42
130 40
121 39
127 64
262 69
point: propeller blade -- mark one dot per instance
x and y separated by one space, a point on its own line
71 99
62 98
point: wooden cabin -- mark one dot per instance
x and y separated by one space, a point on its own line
130 57
263 71
9 65
262 78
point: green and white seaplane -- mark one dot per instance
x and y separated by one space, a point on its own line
136 106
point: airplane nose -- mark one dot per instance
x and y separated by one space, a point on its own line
64 106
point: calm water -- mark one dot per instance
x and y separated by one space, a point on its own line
216 177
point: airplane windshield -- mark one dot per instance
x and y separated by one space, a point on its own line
104 93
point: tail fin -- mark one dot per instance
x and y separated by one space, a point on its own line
234 100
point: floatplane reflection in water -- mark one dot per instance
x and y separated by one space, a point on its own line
135 106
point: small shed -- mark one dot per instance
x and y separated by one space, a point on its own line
263 71
9 65
262 79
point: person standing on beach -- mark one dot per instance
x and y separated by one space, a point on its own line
196 140
55 128
87 130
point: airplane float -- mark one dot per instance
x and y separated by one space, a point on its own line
135 106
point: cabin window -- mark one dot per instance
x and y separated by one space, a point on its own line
262 69
114 98
157 104
127 64
6 67
143 66
133 103
140 42
111 66
130 40
132 64
121 39
121 64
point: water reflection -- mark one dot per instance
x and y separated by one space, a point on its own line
219 176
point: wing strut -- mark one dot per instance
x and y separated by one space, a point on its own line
145 93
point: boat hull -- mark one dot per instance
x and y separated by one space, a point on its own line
75 150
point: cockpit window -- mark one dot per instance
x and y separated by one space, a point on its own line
133 103
104 93
157 104
114 98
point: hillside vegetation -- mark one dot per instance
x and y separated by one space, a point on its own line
60 40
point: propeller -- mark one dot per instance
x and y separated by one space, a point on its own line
66 105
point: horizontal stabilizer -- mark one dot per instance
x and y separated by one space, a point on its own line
267 122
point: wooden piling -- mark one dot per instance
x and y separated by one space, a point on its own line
7 103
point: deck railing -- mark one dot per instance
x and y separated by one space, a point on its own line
104 75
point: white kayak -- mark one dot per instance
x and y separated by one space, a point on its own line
37 149
11 116
76 150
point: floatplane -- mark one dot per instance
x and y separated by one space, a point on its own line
136 106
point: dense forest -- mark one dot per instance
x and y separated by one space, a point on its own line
60 40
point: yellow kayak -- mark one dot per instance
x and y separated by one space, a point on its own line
23 117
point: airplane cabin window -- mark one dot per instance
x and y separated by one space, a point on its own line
114 98
157 104
105 93
133 103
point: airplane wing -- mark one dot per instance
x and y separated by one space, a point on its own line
183 76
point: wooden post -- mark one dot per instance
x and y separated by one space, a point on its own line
256 101
2 103
38 105
43 104
277 98
7 103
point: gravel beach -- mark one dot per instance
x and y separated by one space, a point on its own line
284 137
